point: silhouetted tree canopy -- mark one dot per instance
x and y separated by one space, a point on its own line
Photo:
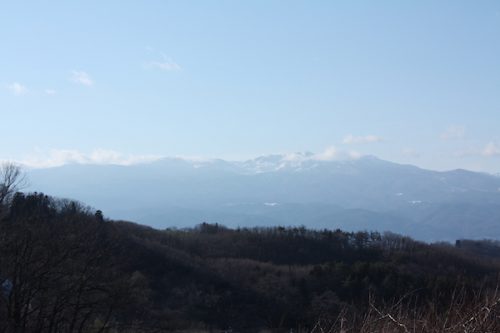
63 268
12 179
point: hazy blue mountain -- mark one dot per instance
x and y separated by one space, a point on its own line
363 193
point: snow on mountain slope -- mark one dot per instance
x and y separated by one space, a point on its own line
319 188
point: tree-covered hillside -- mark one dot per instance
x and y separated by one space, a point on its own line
65 268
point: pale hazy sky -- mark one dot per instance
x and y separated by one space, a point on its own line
409 81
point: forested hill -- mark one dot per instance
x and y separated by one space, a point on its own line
65 268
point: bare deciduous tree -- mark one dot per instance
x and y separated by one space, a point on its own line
57 269
12 179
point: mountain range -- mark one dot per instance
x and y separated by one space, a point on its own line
353 193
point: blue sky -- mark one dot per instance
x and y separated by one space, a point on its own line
111 81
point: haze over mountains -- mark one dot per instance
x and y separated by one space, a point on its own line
298 189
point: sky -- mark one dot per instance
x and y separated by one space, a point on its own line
122 82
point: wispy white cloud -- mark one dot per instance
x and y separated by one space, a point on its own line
58 157
166 64
50 92
351 139
409 152
491 149
17 89
453 132
81 77
330 153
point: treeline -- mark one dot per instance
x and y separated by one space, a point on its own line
65 268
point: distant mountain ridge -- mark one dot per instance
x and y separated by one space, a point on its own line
301 188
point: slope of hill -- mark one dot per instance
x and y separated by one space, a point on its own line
66 269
